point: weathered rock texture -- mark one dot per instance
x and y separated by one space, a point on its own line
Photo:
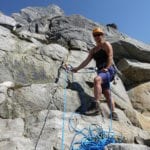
37 95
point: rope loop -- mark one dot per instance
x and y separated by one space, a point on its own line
92 138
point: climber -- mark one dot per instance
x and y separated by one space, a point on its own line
102 53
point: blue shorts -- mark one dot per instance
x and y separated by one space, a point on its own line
107 77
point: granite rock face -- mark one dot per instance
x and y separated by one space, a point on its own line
37 94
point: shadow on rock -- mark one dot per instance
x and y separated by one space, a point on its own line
86 100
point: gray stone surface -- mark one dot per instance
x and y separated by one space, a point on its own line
37 94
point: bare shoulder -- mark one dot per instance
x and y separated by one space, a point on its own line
107 46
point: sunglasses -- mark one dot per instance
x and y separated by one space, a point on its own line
98 34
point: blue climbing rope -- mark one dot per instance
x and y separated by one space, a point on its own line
64 110
67 70
92 138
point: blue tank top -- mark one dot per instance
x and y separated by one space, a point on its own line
100 58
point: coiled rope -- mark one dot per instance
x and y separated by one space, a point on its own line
92 138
